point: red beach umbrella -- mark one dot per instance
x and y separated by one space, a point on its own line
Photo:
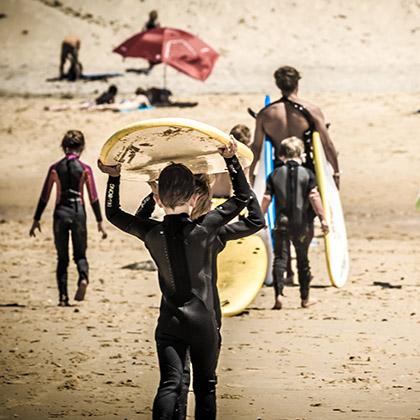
179 49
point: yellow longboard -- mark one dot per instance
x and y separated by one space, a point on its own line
336 251
242 268
143 149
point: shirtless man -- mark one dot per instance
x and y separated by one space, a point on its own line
292 116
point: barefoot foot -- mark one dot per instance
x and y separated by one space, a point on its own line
277 304
306 303
81 290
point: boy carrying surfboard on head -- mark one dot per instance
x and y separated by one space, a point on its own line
182 251
247 225
297 203
70 174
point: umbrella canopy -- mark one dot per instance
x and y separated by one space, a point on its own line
179 49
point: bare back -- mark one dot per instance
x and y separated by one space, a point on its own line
280 121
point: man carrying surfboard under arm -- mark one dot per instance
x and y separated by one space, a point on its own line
292 116
297 203
181 249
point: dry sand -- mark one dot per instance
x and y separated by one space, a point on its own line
355 355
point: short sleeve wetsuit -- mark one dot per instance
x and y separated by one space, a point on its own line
69 175
297 203
182 251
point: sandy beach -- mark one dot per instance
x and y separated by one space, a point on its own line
355 355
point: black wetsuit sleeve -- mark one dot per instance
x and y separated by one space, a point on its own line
231 208
97 211
269 189
45 195
246 225
119 218
146 208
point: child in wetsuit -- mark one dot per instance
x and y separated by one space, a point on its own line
182 251
70 174
245 226
297 203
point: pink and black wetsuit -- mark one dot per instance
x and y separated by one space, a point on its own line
69 175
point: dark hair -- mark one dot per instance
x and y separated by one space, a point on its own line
241 133
175 185
73 140
153 15
203 190
113 89
287 79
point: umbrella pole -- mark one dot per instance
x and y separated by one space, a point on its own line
164 76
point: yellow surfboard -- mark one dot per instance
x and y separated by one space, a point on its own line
336 250
143 149
242 268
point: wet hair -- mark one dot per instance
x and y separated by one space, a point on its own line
203 190
153 15
241 133
175 185
287 79
73 140
292 147
113 89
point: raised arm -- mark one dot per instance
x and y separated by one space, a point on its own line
147 207
246 226
231 208
119 218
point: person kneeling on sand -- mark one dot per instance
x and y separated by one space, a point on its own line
180 248
70 175
297 202
70 52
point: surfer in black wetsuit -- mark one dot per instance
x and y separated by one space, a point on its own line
245 226
297 203
69 175
182 250
292 116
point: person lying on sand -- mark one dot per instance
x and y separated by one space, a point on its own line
159 97
297 202
292 116
106 102
70 175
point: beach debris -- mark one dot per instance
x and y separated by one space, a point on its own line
387 285
148 265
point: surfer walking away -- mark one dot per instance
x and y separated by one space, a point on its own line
297 203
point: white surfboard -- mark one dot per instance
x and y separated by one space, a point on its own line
336 249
